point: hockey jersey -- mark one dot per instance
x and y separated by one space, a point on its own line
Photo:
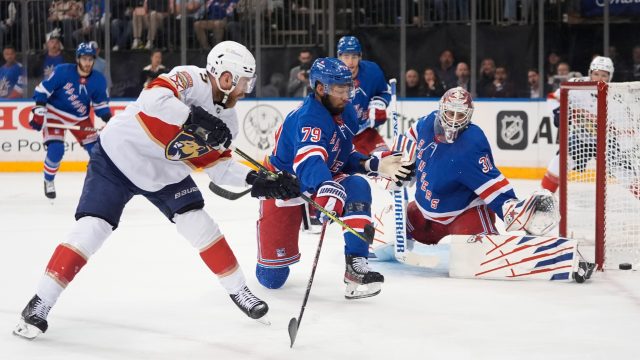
316 146
11 81
68 96
146 143
451 178
368 83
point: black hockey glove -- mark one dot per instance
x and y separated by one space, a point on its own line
285 186
210 129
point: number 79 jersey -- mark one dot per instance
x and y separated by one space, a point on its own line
451 178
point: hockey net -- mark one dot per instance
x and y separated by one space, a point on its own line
600 169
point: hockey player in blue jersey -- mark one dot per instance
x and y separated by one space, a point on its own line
459 190
315 143
65 98
372 95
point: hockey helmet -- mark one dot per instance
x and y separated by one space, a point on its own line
236 59
331 72
349 45
85 49
602 63
454 115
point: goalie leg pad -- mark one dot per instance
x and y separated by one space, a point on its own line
272 277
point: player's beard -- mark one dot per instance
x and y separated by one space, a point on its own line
333 110
86 69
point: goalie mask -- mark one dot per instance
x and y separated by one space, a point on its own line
602 63
234 58
454 115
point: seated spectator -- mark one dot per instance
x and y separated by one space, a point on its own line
551 67
121 25
245 15
446 72
298 85
215 19
412 83
463 76
51 57
12 75
154 69
274 88
501 87
431 86
8 26
533 86
562 74
487 74
140 21
92 22
157 11
66 14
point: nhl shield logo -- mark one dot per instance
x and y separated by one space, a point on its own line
260 125
185 146
512 130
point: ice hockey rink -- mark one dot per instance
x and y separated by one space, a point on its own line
147 295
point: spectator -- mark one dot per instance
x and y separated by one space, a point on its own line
11 75
121 25
274 88
92 22
533 85
463 76
215 19
50 58
487 74
245 15
66 14
446 72
412 83
99 64
157 11
140 21
562 74
501 87
299 75
154 69
194 9
8 27
432 85
635 64
552 64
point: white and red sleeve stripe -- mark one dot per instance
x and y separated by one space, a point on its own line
493 188
308 151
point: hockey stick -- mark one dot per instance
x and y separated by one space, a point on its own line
369 230
400 206
226 194
294 324
71 127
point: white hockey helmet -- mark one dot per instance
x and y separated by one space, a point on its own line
236 59
454 115
602 63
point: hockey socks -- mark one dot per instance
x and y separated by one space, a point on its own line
55 151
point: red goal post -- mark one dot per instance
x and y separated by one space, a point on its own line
600 169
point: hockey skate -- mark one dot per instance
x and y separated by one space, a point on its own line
251 305
49 189
361 281
585 270
34 319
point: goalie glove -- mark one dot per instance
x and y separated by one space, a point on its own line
377 112
390 165
536 214
264 186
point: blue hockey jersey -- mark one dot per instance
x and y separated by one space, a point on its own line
451 178
368 83
11 81
315 146
68 95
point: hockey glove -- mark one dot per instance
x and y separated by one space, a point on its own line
210 129
284 186
332 197
37 117
536 214
377 112
556 116
390 165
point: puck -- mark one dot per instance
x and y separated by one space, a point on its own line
625 266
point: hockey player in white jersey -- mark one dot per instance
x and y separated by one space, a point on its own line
183 120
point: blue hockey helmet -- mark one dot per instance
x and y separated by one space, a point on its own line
329 72
85 49
349 45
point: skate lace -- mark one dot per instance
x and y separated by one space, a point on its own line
360 265
40 309
246 299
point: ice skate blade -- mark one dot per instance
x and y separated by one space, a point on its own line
264 320
360 291
26 331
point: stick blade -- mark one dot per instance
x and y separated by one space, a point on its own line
293 330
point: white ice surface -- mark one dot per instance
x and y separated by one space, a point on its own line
147 295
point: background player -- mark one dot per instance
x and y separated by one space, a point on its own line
315 144
65 98
150 149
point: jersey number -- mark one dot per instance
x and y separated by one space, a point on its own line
312 134
486 164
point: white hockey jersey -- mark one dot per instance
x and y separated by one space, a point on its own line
137 139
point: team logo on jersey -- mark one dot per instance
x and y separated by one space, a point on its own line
185 146
281 252
260 125
512 130
182 80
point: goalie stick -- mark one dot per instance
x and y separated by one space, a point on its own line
227 194
71 127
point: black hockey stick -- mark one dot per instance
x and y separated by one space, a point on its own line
71 127
226 194
294 324
369 230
